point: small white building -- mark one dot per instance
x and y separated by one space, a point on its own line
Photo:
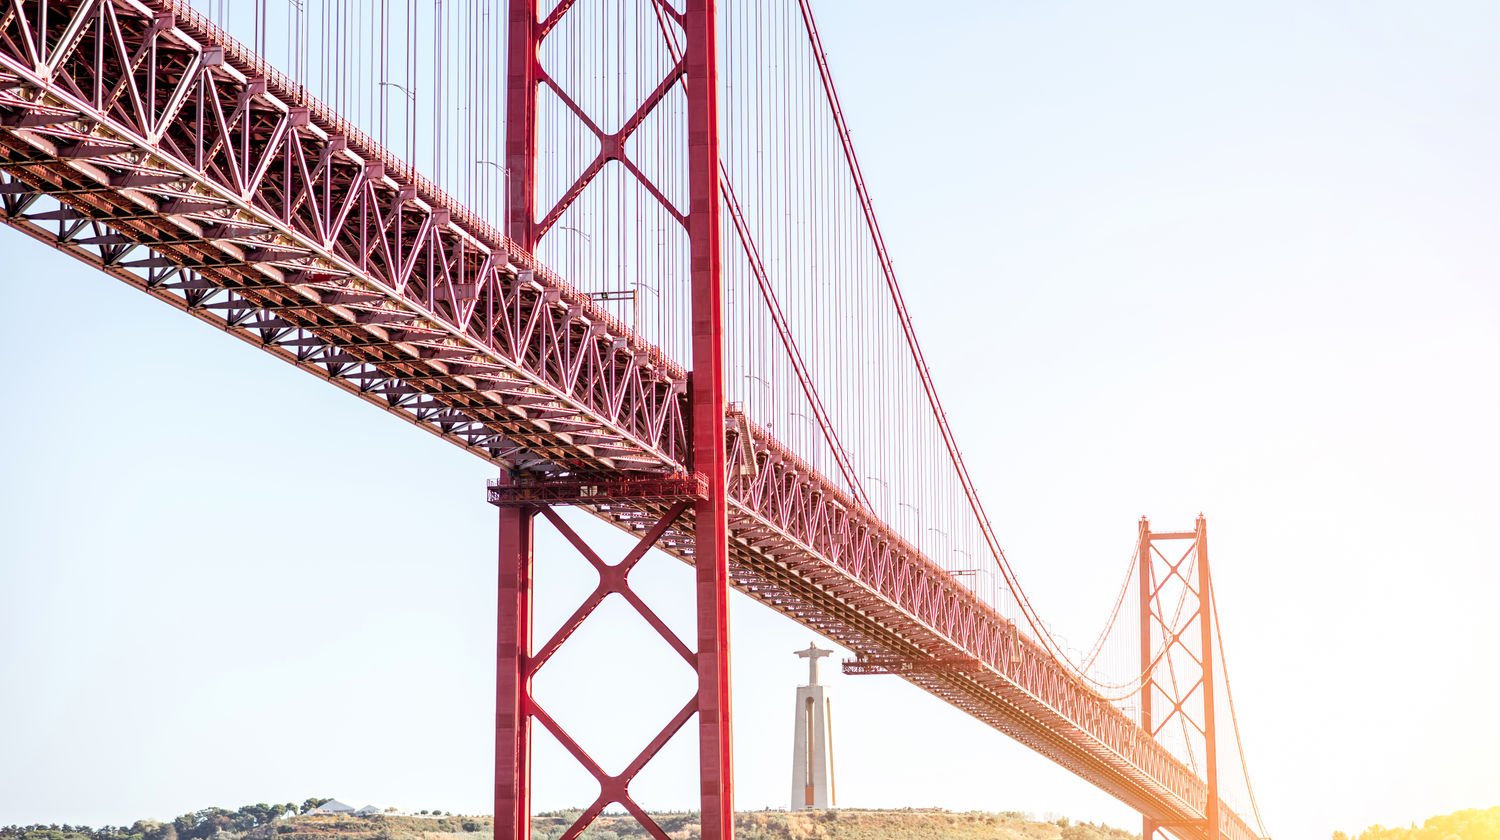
368 811
333 806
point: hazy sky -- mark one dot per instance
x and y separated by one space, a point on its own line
1165 258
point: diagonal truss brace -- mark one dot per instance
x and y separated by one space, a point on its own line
611 144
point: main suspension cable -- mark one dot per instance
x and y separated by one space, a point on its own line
934 402
1114 612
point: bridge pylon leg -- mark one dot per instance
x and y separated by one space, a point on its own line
513 676
708 411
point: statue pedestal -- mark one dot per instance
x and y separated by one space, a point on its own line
812 758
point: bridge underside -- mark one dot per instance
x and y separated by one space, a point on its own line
136 138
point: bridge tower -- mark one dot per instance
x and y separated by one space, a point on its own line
671 507
1177 663
812 745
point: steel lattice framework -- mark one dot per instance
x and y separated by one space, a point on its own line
136 137
1177 661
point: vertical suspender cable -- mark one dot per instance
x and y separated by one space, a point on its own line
932 399
783 328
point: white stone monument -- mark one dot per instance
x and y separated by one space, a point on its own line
812 747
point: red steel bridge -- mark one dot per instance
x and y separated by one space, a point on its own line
655 290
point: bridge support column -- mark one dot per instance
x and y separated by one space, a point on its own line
711 515
1142 563
659 505
1210 729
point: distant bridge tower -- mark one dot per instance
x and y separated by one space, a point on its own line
812 747
1177 656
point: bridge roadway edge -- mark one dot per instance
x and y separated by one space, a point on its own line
775 563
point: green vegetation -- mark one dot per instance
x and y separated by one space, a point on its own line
292 822
908 824
1473 824
268 822
199 825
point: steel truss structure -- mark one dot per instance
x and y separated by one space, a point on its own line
695 68
1177 654
519 658
141 140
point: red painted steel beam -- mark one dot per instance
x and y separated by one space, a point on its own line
596 491
513 675
1143 569
711 515
523 67
1210 730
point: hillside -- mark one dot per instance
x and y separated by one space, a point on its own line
842 824
266 822
1471 824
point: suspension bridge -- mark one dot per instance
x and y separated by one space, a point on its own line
655 290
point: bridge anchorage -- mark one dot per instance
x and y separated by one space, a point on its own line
806 460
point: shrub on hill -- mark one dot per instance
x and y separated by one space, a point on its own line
1471 824
839 824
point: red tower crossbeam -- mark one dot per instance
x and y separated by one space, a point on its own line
601 490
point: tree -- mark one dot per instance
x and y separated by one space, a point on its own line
314 802
153 830
258 814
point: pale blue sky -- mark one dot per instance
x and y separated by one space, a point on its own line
1238 260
